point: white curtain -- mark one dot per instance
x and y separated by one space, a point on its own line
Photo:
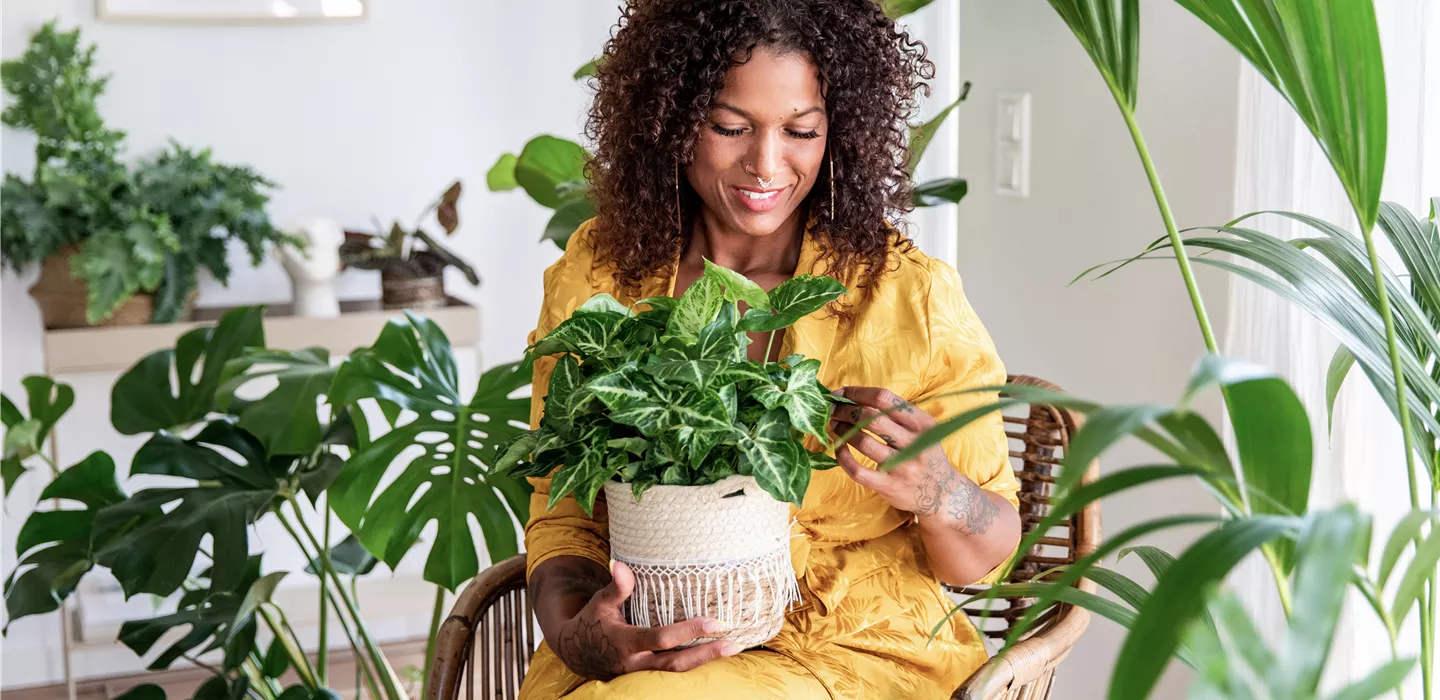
1279 166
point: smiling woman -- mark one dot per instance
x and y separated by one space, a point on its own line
769 138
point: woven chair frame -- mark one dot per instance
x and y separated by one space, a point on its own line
484 646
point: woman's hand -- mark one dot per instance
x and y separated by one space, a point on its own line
967 530
925 486
598 643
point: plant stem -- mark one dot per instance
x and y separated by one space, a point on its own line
322 655
1427 602
1282 582
768 344
258 681
192 659
387 675
1170 229
350 636
283 635
435 617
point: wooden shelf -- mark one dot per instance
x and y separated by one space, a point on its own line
116 348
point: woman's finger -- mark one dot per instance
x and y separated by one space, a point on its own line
685 659
872 448
889 431
897 409
671 636
854 469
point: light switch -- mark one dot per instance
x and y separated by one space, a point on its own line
1012 145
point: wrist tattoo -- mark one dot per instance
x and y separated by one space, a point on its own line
587 650
970 509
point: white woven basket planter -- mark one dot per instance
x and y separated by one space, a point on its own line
720 551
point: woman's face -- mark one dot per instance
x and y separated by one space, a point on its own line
769 124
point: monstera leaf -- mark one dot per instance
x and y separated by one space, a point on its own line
142 400
57 547
227 496
210 614
287 420
47 401
792 300
450 481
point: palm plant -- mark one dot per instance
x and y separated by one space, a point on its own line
1324 58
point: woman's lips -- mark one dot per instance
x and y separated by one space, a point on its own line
758 200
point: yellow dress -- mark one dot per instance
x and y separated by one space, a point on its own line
868 597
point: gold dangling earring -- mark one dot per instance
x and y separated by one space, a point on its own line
832 187
679 226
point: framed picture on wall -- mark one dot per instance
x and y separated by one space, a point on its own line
224 11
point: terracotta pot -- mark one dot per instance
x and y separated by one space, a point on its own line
412 292
61 298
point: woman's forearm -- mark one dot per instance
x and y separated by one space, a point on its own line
967 530
560 587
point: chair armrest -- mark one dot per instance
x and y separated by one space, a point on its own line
1026 661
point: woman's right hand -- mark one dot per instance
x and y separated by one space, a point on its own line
598 643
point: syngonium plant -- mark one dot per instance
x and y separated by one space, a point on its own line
233 455
666 395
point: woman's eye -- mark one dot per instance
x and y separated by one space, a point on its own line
812 134
725 132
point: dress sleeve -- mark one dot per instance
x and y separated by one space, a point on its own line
564 529
962 357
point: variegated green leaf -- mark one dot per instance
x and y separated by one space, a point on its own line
695 310
647 417
603 302
720 340
769 453
584 334
696 373
793 300
619 389
738 287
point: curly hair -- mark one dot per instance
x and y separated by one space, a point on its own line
656 83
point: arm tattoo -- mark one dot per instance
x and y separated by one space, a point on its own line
587 651
970 509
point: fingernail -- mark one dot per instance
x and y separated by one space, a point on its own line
731 649
711 627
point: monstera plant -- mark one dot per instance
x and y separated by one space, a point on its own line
248 434
665 395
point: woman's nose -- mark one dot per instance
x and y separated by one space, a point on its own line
765 161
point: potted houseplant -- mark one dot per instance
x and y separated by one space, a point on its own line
661 409
115 247
411 262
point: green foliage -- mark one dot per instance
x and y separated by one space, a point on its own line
458 439
47 401
287 419
142 400
665 395
212 616
399 252
206 204
148 231
552 171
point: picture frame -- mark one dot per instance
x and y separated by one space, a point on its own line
231 11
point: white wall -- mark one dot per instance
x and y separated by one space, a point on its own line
1130 337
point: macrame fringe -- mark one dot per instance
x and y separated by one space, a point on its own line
749 597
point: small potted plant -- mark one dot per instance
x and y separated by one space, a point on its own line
411 262
115 247
698 449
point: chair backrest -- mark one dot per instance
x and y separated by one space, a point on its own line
1039 435
485 645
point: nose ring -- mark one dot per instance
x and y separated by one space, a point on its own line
765 183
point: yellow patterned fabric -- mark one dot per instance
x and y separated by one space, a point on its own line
868 597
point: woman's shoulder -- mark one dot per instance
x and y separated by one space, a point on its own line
913 275
576 271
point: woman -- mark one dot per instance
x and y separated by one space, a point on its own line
768 136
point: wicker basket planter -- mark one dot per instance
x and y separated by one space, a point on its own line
719 551
405 292
61 298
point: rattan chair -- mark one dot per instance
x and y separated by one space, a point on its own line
484 647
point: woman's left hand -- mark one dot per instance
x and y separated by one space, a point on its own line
921 485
